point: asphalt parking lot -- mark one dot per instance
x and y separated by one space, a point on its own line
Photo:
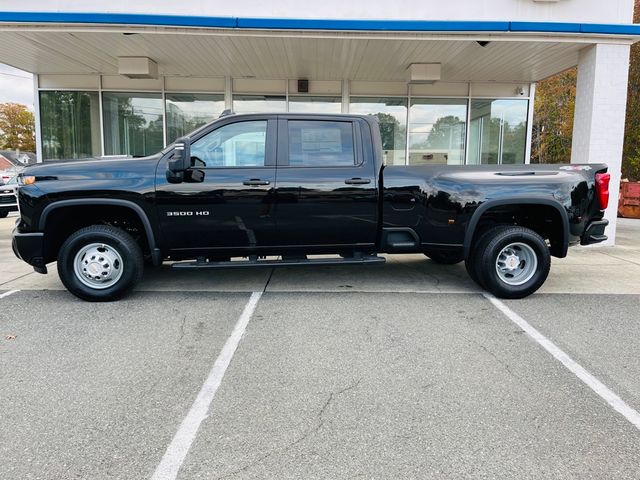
403 370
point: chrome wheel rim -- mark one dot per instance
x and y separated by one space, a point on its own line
98 265
516 263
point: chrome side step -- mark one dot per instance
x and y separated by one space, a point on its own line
285 262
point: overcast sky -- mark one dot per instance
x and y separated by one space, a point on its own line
16 86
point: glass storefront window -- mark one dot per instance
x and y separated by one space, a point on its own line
132 123
392 113
70 124
438 128
259 103
498 131
437 131
188 111
309 104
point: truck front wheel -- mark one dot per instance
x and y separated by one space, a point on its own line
512 261
100 263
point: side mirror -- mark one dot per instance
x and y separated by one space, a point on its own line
180 161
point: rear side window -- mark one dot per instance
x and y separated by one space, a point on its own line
321 143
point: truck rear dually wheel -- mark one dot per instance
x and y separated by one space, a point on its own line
470 261
511 261
100 263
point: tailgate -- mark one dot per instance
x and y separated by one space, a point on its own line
599 201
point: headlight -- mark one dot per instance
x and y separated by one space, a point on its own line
26 180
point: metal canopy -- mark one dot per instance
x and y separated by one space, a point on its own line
281 54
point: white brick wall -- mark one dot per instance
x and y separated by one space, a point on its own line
598 130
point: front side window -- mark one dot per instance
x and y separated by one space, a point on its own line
321 144
241 144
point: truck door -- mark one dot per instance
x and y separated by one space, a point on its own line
232 206
327 189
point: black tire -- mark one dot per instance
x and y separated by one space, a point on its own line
4 213
490 247
445 258
132 264
470 262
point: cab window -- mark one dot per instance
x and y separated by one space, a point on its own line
240 144
321 143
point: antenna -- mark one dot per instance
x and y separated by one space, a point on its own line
227 112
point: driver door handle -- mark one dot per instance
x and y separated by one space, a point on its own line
357 181
255 182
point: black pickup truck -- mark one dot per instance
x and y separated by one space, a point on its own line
278 189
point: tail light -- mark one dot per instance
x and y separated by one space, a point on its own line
602 189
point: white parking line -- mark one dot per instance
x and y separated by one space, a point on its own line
587 378
10 292
184 437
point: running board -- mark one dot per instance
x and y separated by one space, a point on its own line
293 262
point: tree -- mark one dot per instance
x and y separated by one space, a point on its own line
553 118
391 131
66 124
515 139
445 133
17 127
631 151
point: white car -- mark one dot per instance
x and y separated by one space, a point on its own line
8 198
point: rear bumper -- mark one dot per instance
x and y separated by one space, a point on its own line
594 232
30 248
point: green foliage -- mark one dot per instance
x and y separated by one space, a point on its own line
65 122
515 138
440 136
391 131
631 168
631 152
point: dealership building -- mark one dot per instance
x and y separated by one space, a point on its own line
451 82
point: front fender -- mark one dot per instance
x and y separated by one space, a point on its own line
144 219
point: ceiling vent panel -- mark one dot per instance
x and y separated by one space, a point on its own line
137 67
424 72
